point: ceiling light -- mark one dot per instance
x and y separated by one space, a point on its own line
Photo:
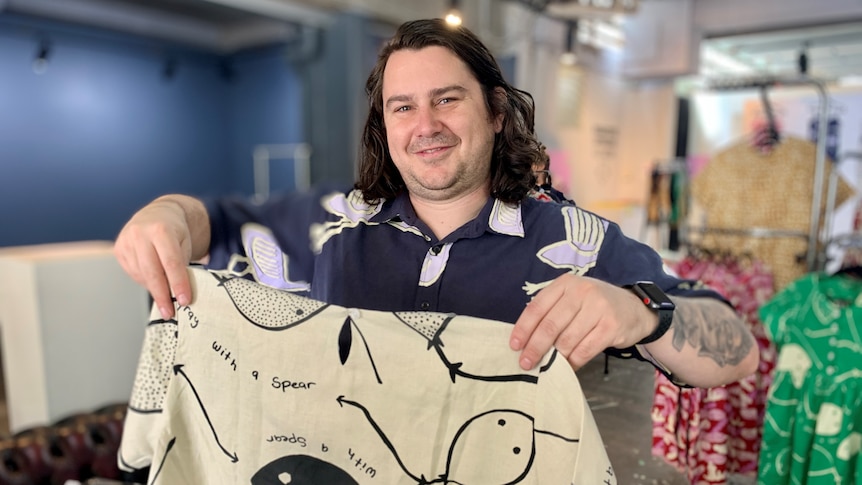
453 17
40 63
569 56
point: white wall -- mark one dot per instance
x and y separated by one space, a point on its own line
719 17
621 127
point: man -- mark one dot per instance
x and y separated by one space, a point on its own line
439 220
543 189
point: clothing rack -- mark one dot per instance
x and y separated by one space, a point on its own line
813 259
849 240
664 168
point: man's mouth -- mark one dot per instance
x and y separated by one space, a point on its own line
432 151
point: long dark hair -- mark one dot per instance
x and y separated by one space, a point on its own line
515 146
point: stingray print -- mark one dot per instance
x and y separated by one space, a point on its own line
274 309
301 470
431 326
210 402
268 308
506 438
154 375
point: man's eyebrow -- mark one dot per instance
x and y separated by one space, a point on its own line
441 91
403 98
398 98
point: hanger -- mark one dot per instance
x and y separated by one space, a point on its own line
851 266
767 136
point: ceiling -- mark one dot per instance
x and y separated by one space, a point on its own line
833 51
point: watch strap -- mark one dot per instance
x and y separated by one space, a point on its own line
665 316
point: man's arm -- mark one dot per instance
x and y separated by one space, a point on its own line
157 244
707 344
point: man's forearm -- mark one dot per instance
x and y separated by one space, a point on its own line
707 344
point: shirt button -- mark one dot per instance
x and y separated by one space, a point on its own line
435 250
425 305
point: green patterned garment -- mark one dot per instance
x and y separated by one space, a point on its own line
813 427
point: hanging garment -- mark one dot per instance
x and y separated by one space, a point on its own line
853 255
251 384
743 188
711 433
813 427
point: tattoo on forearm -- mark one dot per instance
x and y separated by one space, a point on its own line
723 339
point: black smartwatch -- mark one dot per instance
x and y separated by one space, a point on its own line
655 299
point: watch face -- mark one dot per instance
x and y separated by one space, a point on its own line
652 296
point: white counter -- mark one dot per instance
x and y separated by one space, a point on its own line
71 329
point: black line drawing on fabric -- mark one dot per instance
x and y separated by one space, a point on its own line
504 423
345 343
164 458
431 326
274 309
178 370
610 473
266 307
301 470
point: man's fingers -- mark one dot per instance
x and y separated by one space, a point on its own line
175 267
129 265
532 315
587 347
545 322
155 281
573 340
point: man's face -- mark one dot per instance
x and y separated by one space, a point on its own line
440 133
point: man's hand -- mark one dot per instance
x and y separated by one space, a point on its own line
581 317
157 244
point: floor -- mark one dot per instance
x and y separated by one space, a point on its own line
621 401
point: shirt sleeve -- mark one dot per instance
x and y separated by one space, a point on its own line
288 216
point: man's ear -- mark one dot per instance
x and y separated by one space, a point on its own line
499 108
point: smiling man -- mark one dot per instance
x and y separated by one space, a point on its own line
440 220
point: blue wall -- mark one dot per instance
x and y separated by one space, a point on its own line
103 130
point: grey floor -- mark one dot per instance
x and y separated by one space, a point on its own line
621 401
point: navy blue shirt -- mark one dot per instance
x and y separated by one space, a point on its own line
334 247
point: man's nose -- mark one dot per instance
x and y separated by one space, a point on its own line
428 123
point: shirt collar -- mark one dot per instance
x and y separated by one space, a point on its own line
496 216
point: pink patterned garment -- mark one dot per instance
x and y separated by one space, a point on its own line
710 433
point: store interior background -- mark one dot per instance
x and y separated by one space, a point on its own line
106 104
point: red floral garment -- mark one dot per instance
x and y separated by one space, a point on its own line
710 433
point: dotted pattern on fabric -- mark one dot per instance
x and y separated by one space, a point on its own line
743 188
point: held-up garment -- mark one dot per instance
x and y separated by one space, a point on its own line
252 384
813 427
742 188
711 433
335 247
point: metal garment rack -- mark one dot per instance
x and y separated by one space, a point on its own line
853 239
665 167
263 155
813 259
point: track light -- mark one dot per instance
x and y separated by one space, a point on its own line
40 63
569 56
802 60
169 70
453 18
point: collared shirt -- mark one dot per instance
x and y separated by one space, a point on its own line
334 247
